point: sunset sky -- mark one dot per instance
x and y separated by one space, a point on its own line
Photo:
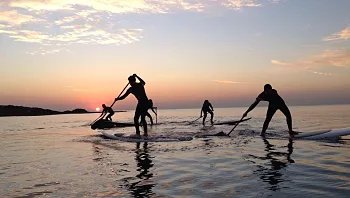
62 55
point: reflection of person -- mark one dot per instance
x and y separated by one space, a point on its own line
138 90
207 108
273 174
107 110
275 103
144 163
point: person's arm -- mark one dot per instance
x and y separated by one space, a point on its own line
201 112
103 113
252 107
140 79
212 109
124 96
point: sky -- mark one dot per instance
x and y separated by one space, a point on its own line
64 54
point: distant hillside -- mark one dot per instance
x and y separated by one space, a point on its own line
10 110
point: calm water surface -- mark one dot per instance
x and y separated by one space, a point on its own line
60 156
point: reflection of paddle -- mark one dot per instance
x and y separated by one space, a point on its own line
111 105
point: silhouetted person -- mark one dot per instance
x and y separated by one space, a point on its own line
150 102
108 110
207 108
138 90
275 103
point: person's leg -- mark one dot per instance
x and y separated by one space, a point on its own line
204 117
211 116
136 119
269 114
288 115
143 119
111 114
108 117
150 117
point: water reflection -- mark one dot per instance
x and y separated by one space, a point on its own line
270 170
144 184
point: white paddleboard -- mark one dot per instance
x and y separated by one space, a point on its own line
333 133
133 138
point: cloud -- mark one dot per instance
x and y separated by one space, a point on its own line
131 6
280 63
277 1
320 73
113 6
65 22
14 18
342 35
29 36
72 88
7 32
239 4
227 82
338 58
43 51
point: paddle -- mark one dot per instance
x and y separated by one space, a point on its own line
235 126
195 120
224 134
156 115
120 94
111 105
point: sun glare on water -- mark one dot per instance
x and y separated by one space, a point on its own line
97 109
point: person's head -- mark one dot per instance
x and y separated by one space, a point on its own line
132 80
267 88
103 105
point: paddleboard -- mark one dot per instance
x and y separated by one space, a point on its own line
133 138
232 122
106 124
324 134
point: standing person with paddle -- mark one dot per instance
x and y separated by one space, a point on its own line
275 103
207 108
138 90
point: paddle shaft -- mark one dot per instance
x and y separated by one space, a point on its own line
235 126
195 120
156 115
120 94
95 120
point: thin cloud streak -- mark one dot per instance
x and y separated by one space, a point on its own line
239 4
227 82
337 58
320 73
342 35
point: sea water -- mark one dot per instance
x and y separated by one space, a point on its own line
60 156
